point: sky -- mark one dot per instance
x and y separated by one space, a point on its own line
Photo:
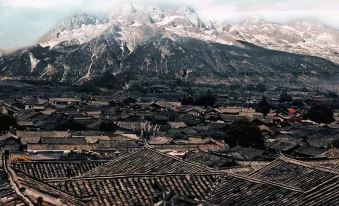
23 22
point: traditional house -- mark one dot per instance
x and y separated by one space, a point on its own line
62 103
31 103
10 142
283 143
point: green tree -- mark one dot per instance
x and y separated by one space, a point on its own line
108 126
297 103
187 100
207 99
71 125
285 97
331 95
320 113
264 107
6 122
244 133
335 143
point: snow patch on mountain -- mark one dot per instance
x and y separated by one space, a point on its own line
81 35
48 71
132 26
34 61
87 76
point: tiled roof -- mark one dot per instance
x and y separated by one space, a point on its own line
240 191
293 173
246 167
8 196
56 169
138 190
324 194
146 161
208 159
146 177
51 195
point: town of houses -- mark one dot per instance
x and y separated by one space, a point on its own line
127 149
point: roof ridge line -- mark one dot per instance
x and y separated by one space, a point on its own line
306 164
321 184
58 161
270 163
135 175
13 183
192 163
266 182
151 149
109 161
42 182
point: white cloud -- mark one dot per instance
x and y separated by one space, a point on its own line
39 3
232 10
240 5
59 4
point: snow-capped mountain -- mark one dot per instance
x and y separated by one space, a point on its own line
137 25
76 29
301 37
134 26
170 41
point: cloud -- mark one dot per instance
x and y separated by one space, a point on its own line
39 3
231 10
60 4
238 5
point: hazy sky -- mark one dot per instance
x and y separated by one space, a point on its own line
22 22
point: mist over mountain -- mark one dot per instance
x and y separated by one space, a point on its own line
177 43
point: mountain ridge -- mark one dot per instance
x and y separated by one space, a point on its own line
83 47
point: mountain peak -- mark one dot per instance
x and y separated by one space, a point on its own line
78 28
130 14
76 21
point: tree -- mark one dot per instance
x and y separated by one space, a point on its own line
6 122
335 143
108 126
285 97
332 95
187 100
244 133
297 103
208 99
260 87
71 125
264 107
320 113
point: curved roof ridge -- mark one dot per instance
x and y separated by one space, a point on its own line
137 175
248 178
196 165
307 164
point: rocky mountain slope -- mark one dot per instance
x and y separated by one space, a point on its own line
177 43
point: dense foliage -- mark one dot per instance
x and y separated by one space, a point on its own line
320 113
244 133
285 97
71 125
6 122
335 143
264 107
207 99
108 126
